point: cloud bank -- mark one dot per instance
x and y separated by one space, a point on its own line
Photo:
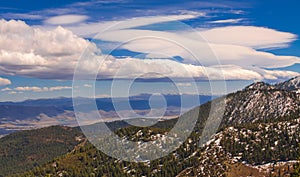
53 54
34 52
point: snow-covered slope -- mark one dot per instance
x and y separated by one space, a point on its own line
260 102
291 85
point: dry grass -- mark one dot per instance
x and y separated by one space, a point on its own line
242 170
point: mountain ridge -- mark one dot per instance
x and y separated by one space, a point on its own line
257 118
290 85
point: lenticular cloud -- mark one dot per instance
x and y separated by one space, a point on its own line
54 54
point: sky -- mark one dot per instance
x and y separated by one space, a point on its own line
166 47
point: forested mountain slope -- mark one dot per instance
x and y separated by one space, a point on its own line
259 136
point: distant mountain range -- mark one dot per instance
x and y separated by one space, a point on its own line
39 113
258 136
139 102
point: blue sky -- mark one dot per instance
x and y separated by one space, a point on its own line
253 40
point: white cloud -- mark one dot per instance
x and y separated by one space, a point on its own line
4 81
103 96
227 21
185 84
160 68
66 19
34 89
59 88
190 12
182 44
90 29
248 36
6 89
34 52
53 54
12 92
87 85
39 89
238 12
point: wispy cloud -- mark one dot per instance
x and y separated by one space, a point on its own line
34 89
192 12
227 52
6 89
23 16
220 4
59 88
237 12
184 84
227 21
87 85
93 3
66 19
13 92
90 29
